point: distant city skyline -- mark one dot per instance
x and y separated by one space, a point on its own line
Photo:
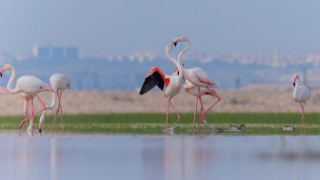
125 27
61 54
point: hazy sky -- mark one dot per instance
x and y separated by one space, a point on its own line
125 26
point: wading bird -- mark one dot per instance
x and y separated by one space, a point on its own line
301 94
59 83
191 88
28 87
170 85
199 81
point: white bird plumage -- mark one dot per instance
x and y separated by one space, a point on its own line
28 87
197 80
301 94
170 85
59 82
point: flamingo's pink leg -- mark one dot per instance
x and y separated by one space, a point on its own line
218 100
302 117
195 115
60 108
34 114
201 110
201 106
54 119
167 114
214 94
29 117
42 103
25 109
61 111
55 115
178 116
32 117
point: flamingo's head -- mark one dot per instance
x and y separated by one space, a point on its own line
295 77
4 68
175 43
180 39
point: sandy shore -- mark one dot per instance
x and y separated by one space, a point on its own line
116 102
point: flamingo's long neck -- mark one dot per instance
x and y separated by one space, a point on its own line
177 63
183 51
10 82
53 100
297 84
50 107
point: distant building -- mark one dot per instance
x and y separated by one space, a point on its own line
72 53
57 53
41 53
45 53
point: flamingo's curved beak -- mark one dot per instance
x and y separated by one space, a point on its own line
0 74
294 84
175 43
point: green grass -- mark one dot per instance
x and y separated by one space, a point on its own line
143 123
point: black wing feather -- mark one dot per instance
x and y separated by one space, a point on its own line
151 81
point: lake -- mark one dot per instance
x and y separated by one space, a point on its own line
179 157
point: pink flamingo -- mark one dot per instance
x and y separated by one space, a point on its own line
199 81
301 94
170 85
28 87
59 83
193 90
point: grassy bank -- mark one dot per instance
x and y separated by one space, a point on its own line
140 123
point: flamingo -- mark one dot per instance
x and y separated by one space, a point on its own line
301 94
199 80
192 89
170 85
28 87
59 82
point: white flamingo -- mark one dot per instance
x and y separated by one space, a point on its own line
28 87
170 85
191 88
301 94
199 80
59 82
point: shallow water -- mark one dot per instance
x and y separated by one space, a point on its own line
158 157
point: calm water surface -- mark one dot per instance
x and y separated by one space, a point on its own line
159 157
